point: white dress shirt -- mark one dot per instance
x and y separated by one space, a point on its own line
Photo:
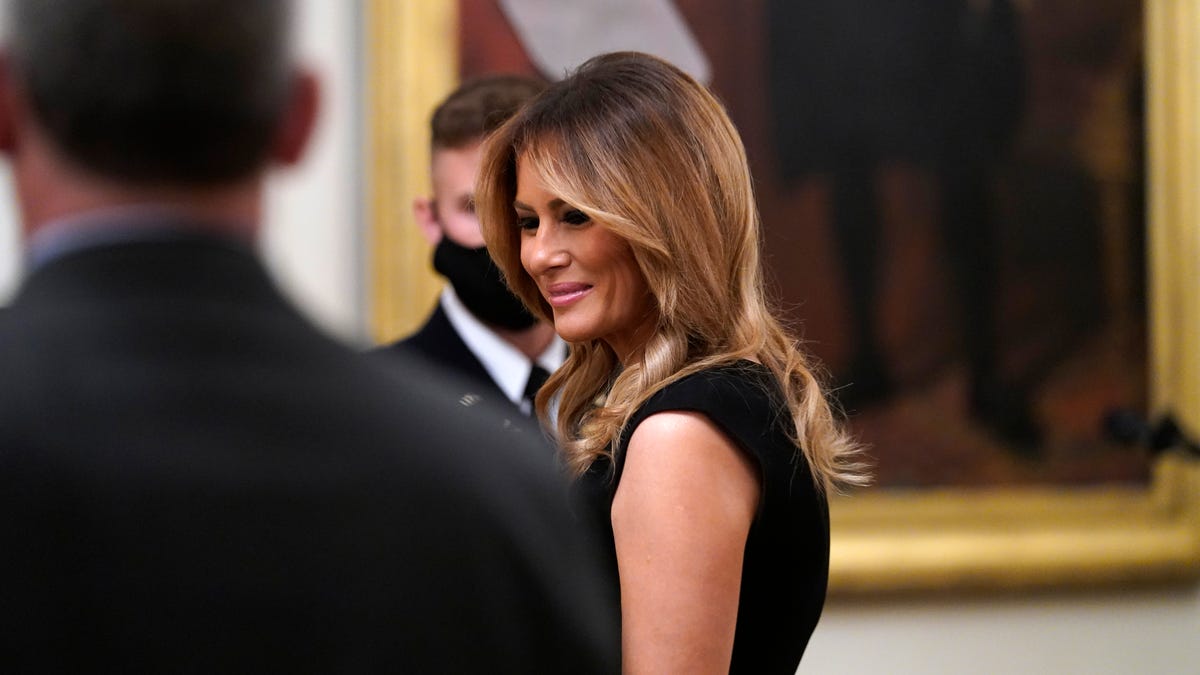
506 364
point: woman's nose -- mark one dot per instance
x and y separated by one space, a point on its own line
543 251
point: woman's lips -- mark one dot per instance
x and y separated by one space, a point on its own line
563 294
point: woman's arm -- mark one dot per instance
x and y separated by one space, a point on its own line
680 519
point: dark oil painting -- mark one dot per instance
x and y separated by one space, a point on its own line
952 197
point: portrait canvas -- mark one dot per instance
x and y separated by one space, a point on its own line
952 200
977 215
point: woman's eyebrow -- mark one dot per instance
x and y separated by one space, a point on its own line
554 204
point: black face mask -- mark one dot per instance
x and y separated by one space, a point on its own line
478 283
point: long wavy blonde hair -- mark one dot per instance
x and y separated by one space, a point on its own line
650 154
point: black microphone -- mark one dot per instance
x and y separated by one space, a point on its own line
1130 428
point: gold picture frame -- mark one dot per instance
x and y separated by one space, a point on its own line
952 539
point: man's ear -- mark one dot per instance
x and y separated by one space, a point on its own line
425 213
299 118
8 115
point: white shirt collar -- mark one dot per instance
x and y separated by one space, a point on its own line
120 224
506 364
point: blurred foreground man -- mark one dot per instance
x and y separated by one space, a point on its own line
193 478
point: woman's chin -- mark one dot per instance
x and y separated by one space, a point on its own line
571 333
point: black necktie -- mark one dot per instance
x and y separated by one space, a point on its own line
537 377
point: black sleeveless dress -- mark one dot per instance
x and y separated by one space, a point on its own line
786 564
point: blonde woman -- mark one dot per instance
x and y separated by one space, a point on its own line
619 205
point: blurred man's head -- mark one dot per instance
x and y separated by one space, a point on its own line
163 93
448 219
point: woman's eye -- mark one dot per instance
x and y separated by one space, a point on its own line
575 217
527 223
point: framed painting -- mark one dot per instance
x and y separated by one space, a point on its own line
989 234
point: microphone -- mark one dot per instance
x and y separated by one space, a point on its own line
1129 428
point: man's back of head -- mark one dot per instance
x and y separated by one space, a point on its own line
192 477
156 91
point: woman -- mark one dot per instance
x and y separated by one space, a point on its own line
619 205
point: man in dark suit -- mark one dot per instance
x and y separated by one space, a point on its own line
479 329
192 477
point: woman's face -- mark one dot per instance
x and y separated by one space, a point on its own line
585 272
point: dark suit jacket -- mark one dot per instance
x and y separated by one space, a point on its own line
194 479
439 343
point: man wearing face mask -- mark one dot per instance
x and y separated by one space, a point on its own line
479 330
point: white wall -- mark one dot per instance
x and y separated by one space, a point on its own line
1143 633
10 259
313 237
